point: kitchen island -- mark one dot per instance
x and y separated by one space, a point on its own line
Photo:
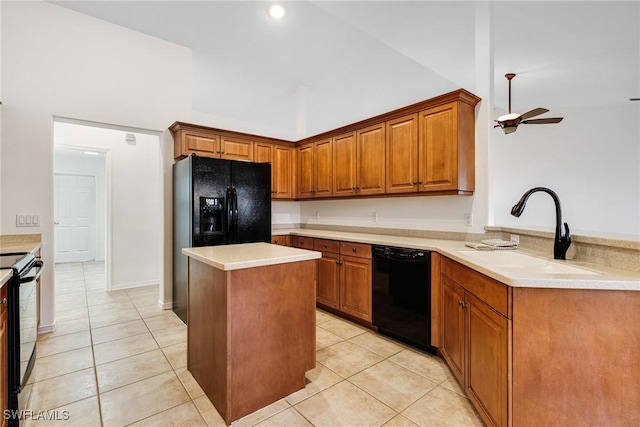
251 323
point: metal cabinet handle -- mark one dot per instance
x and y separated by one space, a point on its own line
324 245
353 249
4 302
56 223
339 262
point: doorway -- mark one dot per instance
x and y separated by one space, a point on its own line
128 201
74 213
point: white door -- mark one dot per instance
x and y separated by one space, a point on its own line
74 217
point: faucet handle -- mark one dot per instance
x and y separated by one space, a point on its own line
567 233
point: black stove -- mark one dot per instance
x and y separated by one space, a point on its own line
22 328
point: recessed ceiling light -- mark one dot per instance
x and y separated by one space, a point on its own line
91 153
276 11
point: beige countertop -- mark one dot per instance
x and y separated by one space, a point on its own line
248 255
7 248
516 268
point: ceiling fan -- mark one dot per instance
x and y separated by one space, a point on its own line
509 122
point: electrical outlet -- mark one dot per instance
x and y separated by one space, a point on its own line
515 239
468 219
317 214
374 216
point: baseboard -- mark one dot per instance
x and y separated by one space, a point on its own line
46 329
165 305
133 285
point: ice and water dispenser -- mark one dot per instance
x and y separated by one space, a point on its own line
211 215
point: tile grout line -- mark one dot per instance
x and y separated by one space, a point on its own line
93 355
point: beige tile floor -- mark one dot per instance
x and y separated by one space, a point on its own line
116 359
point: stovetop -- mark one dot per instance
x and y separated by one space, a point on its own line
17 261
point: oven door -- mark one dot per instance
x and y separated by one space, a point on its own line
28 320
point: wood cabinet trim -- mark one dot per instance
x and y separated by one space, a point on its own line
460 95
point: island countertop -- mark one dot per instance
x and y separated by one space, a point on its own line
248 255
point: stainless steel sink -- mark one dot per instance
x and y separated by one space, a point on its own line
518 261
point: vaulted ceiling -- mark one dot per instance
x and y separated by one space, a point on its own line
348 60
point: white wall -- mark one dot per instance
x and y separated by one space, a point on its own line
591 160
136 207
56 62
75 162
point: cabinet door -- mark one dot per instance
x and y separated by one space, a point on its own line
263 153
305 171
402 154
283 171
236 149
355 287
322 158
487 360
438 148
371 160
201 144
344 165
452 337
328 285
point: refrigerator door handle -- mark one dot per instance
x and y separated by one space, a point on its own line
235 213
229 200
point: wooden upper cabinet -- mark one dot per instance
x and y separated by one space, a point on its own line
370 162
208 142
323 161
199 143
344 165
236 149
263 152
315 169
402 154
305 171
438 148
447 148
283 171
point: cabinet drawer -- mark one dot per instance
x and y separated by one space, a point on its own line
325 245
492 292
302 242
280 240
361 250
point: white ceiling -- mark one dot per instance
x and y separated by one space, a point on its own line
357 59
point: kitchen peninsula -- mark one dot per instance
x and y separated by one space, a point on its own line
251 323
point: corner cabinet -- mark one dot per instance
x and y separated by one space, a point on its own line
474 338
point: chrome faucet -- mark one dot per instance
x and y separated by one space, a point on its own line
561 242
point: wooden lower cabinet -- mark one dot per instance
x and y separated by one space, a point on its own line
355 286
344 275
4 381
474 339
453 328
328 285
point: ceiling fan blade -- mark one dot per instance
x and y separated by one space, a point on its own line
543 121
534 112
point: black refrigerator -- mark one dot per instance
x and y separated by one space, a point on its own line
216 202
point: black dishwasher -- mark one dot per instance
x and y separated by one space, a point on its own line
401 295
